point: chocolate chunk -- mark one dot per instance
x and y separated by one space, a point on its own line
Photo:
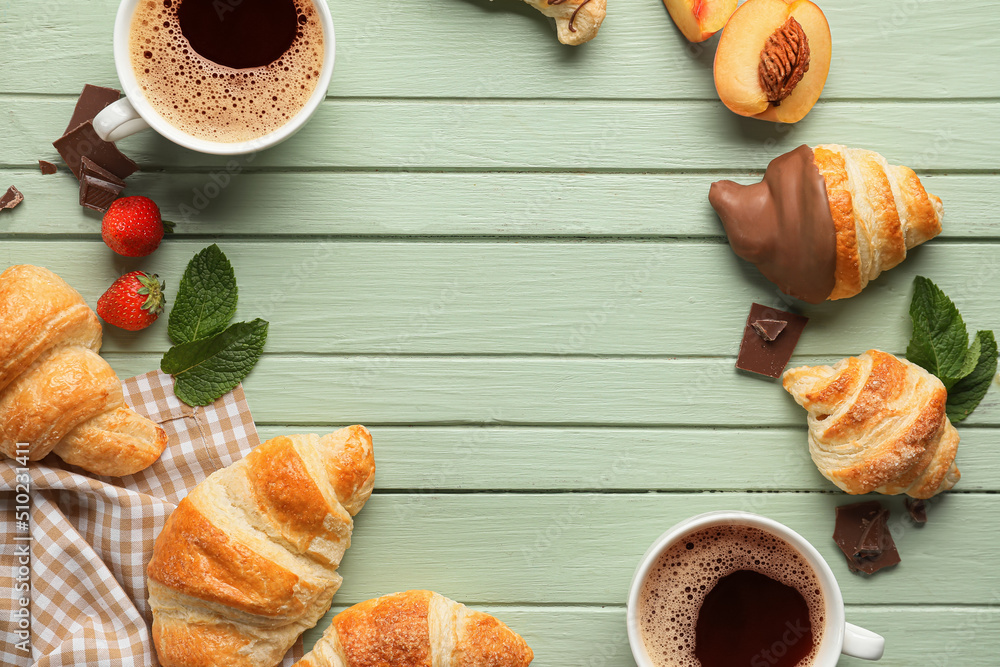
83 142
91 168
11 198
917 508
769 357
872 539
862 533
98 194
47 167
769 330
98 186
92 100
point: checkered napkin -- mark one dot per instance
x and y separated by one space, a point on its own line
91 537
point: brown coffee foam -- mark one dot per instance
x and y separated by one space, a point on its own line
213 102
682 577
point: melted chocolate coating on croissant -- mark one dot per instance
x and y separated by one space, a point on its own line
783 225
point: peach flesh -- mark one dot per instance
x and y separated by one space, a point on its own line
738 58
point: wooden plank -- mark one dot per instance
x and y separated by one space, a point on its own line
437 50
582 391
595 637
583 548
679 298
591 135
429 459
439 204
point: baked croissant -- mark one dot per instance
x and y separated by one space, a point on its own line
56 393
249 558
826 221
417 629
577 21
878 423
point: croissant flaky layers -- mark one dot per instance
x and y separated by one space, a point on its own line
248 560
417 629
826 221
56 393
878 423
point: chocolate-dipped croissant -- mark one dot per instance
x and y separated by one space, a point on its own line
577 21
825 221
878 423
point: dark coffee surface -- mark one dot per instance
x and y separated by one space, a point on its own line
248 33
683 582
750 619
227 70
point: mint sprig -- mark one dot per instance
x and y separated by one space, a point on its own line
206 297
940 343
965 395
210 356
208 368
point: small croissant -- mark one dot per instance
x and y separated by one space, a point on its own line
878 423
56 393
415 629
577 21
826 221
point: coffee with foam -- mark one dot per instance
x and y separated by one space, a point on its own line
676 609
228 71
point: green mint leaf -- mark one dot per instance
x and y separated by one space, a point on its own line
206 297
971 359
208 368
939 341
965 395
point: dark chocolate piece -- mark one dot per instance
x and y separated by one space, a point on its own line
862 533
92 100
98 187
11 198
98 194
783 225
93 169
769 330
47 167
917 507
765 357
83 142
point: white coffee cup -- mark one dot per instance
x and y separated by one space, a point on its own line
839 636
133 113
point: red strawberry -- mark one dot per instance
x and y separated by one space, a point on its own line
133 302
133 227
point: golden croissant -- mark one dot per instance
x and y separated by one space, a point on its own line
56 393
878 423
417 629
826 221
577 21
248 560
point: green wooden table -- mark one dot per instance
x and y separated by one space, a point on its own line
497 252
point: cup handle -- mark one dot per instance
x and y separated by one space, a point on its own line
861 643
118 121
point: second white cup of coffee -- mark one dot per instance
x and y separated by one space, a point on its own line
838 636
134 113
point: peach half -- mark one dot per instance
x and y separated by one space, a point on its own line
700 19
773 59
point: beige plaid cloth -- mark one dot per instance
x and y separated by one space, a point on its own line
91 537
